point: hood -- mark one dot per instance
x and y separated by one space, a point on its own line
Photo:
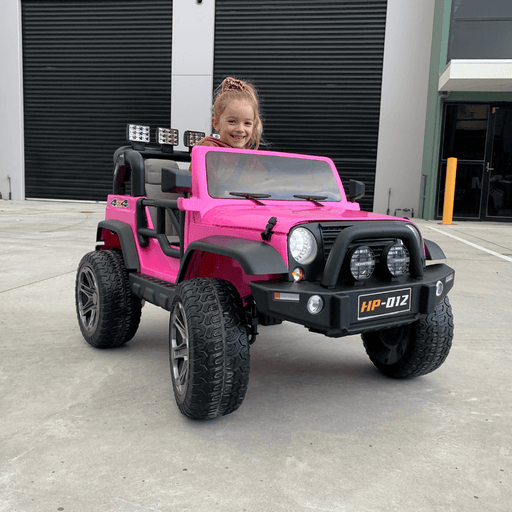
257 217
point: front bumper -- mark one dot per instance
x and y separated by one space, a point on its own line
345 307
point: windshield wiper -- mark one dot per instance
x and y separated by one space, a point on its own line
248 195
314 199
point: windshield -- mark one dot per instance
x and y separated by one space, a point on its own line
281 177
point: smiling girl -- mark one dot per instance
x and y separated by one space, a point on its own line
236 116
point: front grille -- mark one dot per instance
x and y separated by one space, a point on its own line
330 233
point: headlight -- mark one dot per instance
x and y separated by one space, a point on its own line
303 246
361 262
396 258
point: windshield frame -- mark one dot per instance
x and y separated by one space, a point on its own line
237 171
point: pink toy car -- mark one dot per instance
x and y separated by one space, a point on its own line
256 237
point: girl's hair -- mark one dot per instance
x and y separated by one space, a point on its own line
233 89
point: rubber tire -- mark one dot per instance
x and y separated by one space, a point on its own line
413 350
133 310
105 307
208 348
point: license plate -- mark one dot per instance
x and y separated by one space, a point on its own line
384 303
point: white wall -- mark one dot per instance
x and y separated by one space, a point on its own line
11 102
193 27
405 77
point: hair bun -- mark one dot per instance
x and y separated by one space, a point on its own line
233 84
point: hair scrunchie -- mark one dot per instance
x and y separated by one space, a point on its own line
233 84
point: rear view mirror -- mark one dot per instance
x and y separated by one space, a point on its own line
355 190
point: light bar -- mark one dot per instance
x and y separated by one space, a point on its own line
167 136
190 138
137 133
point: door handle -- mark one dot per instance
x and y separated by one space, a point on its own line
489 168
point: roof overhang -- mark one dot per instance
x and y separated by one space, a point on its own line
482 75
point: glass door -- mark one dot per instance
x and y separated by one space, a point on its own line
479 135
497 189
465 134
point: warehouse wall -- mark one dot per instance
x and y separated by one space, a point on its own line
403 108
11 102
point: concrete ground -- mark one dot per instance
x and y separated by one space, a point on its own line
321 429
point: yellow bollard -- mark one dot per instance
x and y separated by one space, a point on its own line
449 190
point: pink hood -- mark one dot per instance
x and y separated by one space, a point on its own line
256 217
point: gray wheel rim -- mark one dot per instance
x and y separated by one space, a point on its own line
179 349
88 299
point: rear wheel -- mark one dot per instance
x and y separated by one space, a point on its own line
133 308
413 350
107 312
208 348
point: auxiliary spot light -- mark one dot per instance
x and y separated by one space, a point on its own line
190 138
361 262
396 258
167 136
137 133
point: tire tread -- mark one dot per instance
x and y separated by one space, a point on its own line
219 349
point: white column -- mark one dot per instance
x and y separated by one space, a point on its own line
193 27
405 78
11 102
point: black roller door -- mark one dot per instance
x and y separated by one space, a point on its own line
318 68
89 68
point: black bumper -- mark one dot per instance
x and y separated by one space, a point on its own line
346 309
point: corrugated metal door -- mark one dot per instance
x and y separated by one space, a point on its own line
89 68
318 68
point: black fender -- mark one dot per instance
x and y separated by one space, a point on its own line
433 251
255 258
125 234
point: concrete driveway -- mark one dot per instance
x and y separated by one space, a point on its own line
321 429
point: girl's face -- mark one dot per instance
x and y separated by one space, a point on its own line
236 123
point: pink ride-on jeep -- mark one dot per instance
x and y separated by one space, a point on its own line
255 237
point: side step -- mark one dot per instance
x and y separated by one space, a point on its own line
158 292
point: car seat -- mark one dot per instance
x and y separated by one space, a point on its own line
153 182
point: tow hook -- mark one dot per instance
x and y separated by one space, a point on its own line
251 319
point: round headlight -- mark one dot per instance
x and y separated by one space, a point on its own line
397 259
361 262
303 247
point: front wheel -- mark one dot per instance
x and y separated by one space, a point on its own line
413 350
208 348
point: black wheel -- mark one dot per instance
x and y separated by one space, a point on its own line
413 350
208 349
106 312
133 306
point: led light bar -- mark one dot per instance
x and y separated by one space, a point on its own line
190 138
167 136
137 133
